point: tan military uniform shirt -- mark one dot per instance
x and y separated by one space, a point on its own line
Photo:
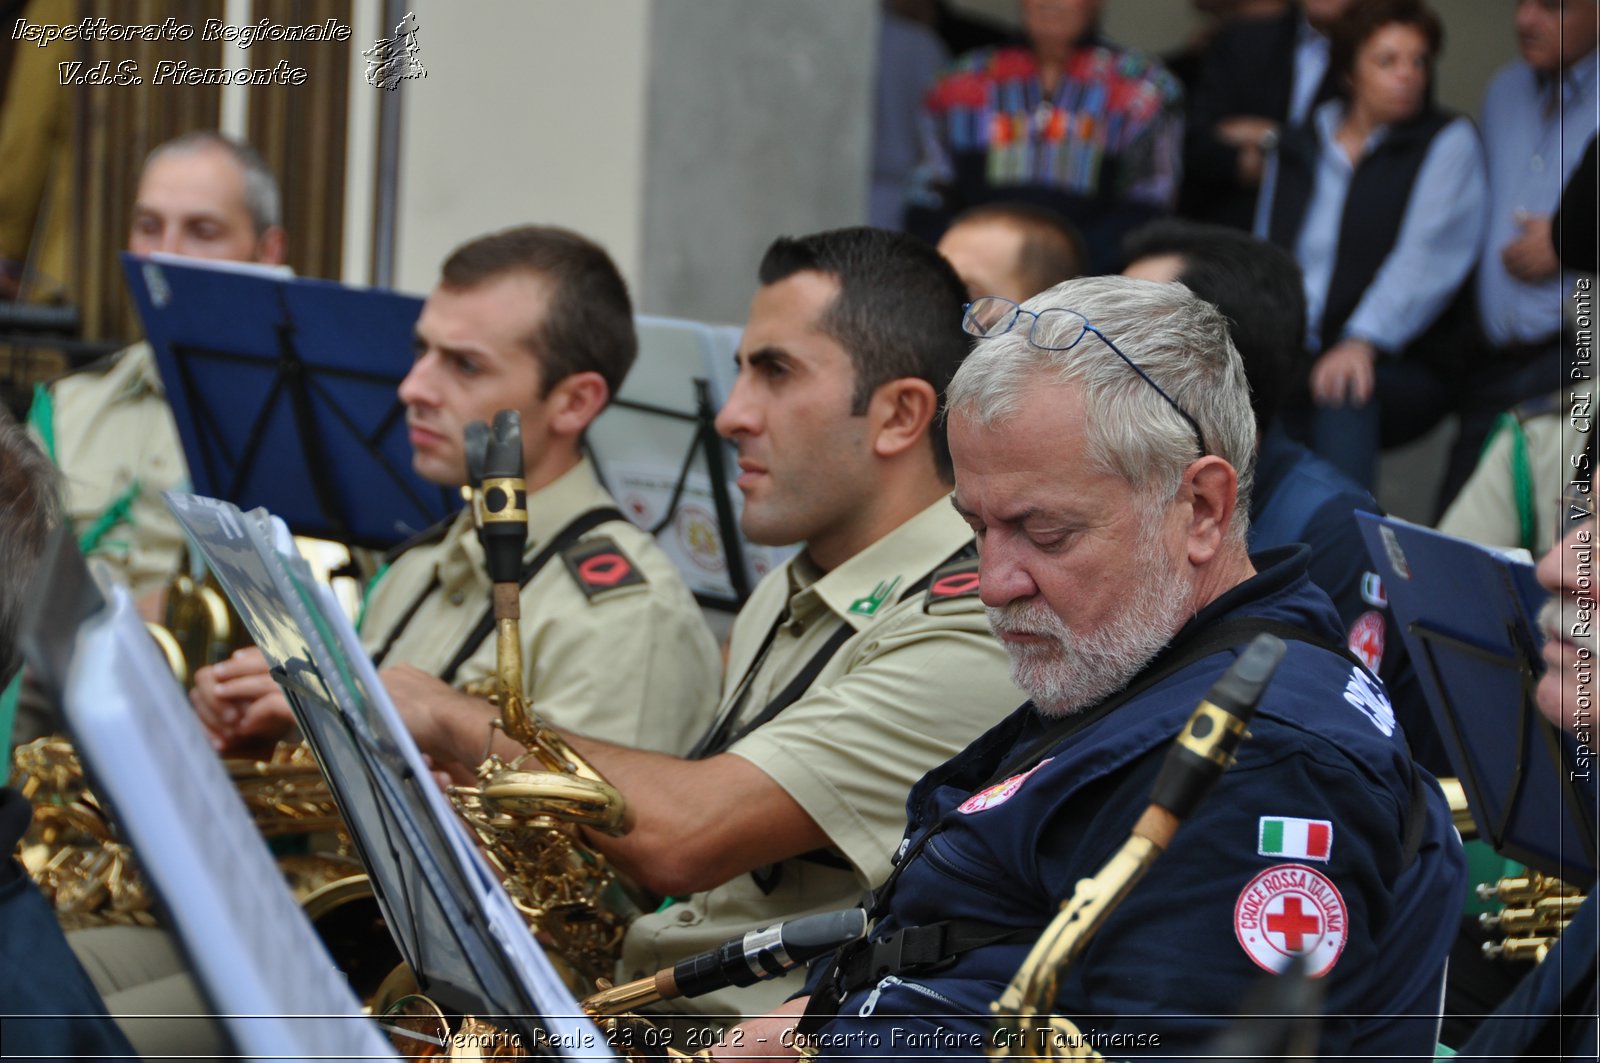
1486 510
111 432
909 690
634 665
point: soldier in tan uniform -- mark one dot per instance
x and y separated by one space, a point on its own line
1534 452
861 663
533 319
109 428
537 320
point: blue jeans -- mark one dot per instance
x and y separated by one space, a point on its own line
1408 399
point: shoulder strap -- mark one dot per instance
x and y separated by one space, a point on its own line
575 530
719 738
42 418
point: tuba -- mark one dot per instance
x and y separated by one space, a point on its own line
1204 749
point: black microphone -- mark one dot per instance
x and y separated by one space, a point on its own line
768 952
741 961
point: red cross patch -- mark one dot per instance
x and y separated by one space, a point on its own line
999 793
1366 639
1291 910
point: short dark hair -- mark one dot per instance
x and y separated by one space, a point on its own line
1364 18
1257 287
29 509
898 312
588 323
1052 247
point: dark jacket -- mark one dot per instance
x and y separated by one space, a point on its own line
1224 902
51 1008
1300 498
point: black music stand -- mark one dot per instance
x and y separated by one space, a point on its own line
1469 618
249 944
461 935
283 391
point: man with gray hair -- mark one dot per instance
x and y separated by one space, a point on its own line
108 427
1103 440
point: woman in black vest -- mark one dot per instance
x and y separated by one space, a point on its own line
1381 199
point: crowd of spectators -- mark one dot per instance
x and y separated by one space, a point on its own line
1424 240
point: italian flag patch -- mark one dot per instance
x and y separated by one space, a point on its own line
1298 839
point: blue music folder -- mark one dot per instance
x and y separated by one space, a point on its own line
284 394
1469 616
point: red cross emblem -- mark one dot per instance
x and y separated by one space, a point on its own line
1293 923
1291 910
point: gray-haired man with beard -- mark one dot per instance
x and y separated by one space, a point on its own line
1103 441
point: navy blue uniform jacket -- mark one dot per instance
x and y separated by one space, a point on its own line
1325 773
1300 498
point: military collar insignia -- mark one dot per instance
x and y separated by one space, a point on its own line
869 605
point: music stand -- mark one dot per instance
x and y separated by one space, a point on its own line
1469 618
455 926
283 392
249 944
657 451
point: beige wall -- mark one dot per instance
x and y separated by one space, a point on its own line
532 110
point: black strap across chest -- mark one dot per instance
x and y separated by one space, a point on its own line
574 530
721 734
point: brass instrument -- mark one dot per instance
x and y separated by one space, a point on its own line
199 624
1204 749
70 850
91 878
1538 908
526 812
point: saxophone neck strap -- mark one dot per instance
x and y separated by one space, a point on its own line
575 529
722 734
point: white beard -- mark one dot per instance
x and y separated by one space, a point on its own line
1069 672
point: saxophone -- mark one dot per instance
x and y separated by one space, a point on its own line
92 878
527 812
1204 749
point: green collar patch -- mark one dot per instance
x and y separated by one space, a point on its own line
869 605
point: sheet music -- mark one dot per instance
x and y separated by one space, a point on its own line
262 965
453 920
